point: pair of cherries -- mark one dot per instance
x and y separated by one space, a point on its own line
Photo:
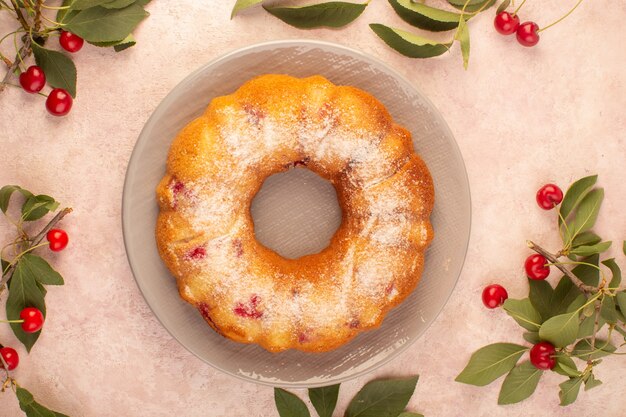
33 80
527 33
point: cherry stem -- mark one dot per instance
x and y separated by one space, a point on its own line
16 63
562 18
596 324
581 285
519 7
12 321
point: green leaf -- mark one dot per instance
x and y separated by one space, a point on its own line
560 330
569 390
289 405
585 250
616 272
591 382
588 274
586 239
624 247
7 191
620 298
24 292
586 327
586 214
531 337
242 5
490 362
98 24
566 366
577 304
31 407
124 44
41 270
426 17
65 15
410 414
574 195
602 348
324 399
463 36
519 384
382 398
59 69
523 313
86 4
472 5
117 4
607 309
564 295
409 44
503 6
540 296
621 331
333 14
35 207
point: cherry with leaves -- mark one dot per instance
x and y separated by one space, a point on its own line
75 23
25 276
578 320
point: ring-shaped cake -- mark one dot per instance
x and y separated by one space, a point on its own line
205 233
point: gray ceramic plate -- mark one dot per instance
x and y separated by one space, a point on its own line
312 212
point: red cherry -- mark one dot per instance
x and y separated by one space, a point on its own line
58 239
506 23
10 357
70 42
494 295
59 102
542 356
33 79
536 267
549 196
33 319
527 34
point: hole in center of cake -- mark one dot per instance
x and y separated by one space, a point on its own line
296 213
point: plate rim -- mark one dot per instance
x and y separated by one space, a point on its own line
285 43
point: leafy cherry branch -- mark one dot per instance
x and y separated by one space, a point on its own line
575 321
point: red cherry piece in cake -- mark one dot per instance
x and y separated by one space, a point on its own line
303 337
177 188
494 295
197 253
70 41
549 196
255 114
59 102
238 247
33 79
11 358
33 319
542 356
506 23
527 34
354 324
536 267
249 309
58 239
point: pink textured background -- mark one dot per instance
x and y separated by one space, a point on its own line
522 117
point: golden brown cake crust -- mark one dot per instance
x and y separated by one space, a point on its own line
205 234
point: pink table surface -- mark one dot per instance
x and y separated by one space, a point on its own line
521 116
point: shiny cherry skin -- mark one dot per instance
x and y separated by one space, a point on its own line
542 356
71 42
536 267
506 23
58 239
10 357
59 102
527 34
33 319
549 196
33 79
494 296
